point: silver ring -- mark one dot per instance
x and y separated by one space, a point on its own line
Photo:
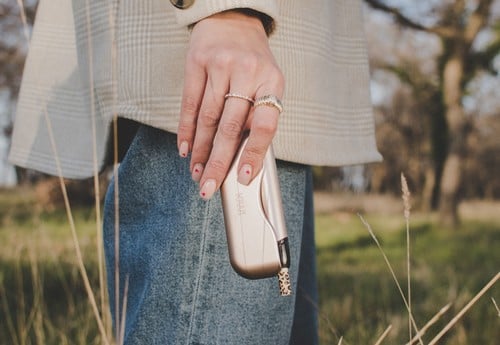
237 95
270 101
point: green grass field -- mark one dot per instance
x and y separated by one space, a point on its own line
43 300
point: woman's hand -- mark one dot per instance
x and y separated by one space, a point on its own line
228 53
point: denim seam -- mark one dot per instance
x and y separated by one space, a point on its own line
206 222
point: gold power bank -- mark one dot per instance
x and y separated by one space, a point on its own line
255 224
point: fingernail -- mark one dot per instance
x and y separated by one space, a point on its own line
183 149
208 189
245 174
197 172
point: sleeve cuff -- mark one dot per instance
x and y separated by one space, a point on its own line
205 8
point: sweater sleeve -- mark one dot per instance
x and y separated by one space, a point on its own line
205 8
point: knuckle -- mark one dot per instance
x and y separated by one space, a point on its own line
187 124
280 80
209 117
254 154
222 59
264 128
200 154
249 62
217 166
190 105
197 57
185 128
231 129
277 78
274 78
185 132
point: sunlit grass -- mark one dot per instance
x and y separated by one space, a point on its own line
42 297
360 299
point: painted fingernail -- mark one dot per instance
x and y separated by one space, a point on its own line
197 172
208 189
245 174
183 149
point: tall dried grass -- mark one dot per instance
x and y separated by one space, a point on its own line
407 299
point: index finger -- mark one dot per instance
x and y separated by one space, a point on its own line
195 79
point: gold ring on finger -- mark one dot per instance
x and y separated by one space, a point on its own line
240 96
270 101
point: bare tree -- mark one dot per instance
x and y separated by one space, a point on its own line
13 49
457 27
13 44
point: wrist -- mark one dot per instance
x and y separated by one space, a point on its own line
258 18
266 21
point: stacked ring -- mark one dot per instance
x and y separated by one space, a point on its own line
237 95
270 101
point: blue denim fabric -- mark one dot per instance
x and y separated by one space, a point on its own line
173 251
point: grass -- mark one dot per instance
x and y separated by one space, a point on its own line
42 297
43 300
360 299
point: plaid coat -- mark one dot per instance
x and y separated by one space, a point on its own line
89 61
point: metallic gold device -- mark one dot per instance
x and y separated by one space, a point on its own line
255 225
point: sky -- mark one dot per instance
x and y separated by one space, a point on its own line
7 171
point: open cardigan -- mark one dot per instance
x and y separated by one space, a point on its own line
89 60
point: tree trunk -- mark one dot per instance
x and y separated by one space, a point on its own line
450 184
428 189
449 134
451 178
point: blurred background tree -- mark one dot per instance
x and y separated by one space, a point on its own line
13 49
436 126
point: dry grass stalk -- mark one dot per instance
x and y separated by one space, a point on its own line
116 227
22 14
407 208
382 337
123 317
375 239
340 341
37 308
114 73
21 319
67 205
322 315
431 322
465 309
496 306
76 243
406 197
100 246
8 317
330 326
